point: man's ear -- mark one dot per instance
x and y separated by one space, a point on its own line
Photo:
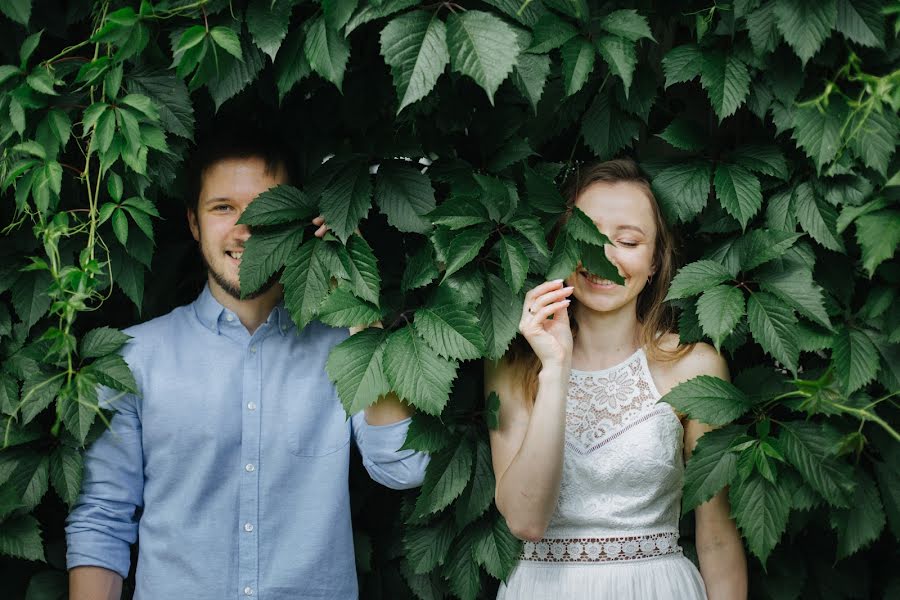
193 224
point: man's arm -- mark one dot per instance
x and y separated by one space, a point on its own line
94 583
102 525
388 410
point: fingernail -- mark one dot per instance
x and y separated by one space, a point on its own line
557 281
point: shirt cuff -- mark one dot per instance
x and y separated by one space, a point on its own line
381 443
93 549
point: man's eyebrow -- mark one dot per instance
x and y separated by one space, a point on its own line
215 199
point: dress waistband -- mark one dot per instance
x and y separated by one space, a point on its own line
601 549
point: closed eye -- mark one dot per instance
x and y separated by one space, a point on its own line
628 243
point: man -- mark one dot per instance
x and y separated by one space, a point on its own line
235 455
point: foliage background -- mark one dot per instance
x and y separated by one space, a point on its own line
769 129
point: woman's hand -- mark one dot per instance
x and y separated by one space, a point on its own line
551 339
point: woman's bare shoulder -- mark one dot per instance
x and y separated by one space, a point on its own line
693 360
700 359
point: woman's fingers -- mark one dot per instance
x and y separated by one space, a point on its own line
544 313
543 289
544 299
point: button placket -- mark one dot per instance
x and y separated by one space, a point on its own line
251 416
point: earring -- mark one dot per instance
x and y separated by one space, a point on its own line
650 279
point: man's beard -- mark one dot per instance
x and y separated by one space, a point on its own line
234 290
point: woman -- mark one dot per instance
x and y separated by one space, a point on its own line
588 466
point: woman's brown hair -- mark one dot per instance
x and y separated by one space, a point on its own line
655 316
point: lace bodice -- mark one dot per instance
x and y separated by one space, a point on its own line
623 465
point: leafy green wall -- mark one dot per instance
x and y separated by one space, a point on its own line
769 130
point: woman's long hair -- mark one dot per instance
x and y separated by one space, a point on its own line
654 314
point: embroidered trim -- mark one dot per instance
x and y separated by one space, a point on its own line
602 549
663 409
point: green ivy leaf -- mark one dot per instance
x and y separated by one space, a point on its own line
684 135
810 448
327 51
20 537
875 138
542 193
739 192
426 434
378 10
816 217
66 465
530 76
101 341
17 10
805 24
483 47
464 247
795 286
479 492
683 190
759 158
774 327
861 21
727 81
878 235
342 309
446 477
112 371
761 510
712 466
513 261
347 199
415 46
762 30
682 64
268 24
497 549
819 133
760 246
38 391
420 269
719 310
278 205
621 56
862 523
578 57
498 322
291 64
697 277
594 259
416 373
628 24
30 297
606 130
427 547
452 331
855 358
305 281
404 195
565 257
265 253
356 366
708 399
461 570
550 32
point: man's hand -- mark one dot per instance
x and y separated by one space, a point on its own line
323 227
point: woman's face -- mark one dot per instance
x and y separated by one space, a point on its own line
622 212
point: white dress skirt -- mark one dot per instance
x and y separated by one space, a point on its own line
614 533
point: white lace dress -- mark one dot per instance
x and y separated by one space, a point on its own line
615 530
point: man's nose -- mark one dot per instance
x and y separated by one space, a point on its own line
242 232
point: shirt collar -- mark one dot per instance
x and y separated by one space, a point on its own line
211 313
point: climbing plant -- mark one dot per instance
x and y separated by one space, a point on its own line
434 137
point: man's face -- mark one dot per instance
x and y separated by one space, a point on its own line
227 187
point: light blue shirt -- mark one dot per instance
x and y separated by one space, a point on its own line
236 456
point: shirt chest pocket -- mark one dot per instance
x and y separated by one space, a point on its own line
317 424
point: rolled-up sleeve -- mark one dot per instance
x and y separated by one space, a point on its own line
380 445
102 524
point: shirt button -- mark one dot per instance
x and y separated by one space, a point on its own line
253 349
229 318
248 527
248 591
251 405
249 468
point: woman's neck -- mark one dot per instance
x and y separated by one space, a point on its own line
604 338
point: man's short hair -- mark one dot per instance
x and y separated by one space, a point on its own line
236 139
